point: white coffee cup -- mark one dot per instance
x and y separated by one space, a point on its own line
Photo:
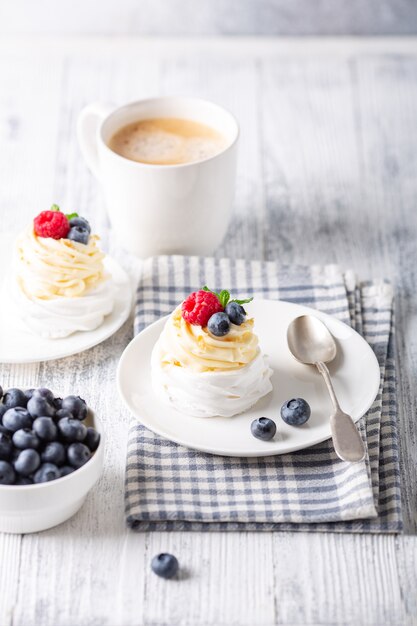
163 209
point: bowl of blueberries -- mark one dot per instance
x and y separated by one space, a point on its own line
51 455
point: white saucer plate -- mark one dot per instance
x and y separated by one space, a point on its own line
19 345
355 374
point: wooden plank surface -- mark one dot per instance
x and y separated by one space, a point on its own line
327 173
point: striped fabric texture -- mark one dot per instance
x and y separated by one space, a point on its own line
169 487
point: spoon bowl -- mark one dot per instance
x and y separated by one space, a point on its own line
310 341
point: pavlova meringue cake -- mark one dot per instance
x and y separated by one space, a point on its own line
60 285
207 360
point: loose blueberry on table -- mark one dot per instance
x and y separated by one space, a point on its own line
214 310
165 565
263 428
295 412
42 437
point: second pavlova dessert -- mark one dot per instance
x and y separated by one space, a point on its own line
60 285
207 360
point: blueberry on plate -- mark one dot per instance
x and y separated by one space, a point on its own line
165 565
45 428
17 418
79 234
236 313
25 438
219 324
27 462
39 406
75 405
92 439
295 412
46 472
54 452
80 221
71 429
6 446
14 397
263 428
65 470
7 473
78 454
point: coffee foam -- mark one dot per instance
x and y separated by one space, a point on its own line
167 141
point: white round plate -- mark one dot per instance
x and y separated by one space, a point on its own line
19 345
355 374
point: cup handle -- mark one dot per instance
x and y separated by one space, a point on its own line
88 121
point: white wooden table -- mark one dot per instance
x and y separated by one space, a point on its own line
327 173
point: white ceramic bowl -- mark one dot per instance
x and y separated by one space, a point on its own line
31 508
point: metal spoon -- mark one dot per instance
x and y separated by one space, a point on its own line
311 343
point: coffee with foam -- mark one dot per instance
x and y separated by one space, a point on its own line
167 141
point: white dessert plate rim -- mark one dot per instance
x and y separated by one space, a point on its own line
18 345
356 376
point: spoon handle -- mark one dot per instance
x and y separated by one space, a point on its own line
347 441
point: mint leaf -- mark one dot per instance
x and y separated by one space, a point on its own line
54 207
71 215
242 301
224 297
205 288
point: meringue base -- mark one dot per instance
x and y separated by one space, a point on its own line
209 394
60 317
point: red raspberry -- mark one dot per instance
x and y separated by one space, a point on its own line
199 307
52 224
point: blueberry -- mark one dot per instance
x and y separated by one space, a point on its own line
14 397
43 392
6 446
75 405
62 413
25 438
7 473
165 565
23 480
17 418
78 454
3 409
263 428
80 221
65 470
46 472
28 393
295 412
236 313
79 234
219 324
92 439
57 403
71 430
39 406
27 462
54 452
45 428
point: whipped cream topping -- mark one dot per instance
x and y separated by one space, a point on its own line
204 376
60 286
193 347
47 268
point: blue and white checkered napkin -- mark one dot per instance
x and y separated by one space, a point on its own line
169 487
